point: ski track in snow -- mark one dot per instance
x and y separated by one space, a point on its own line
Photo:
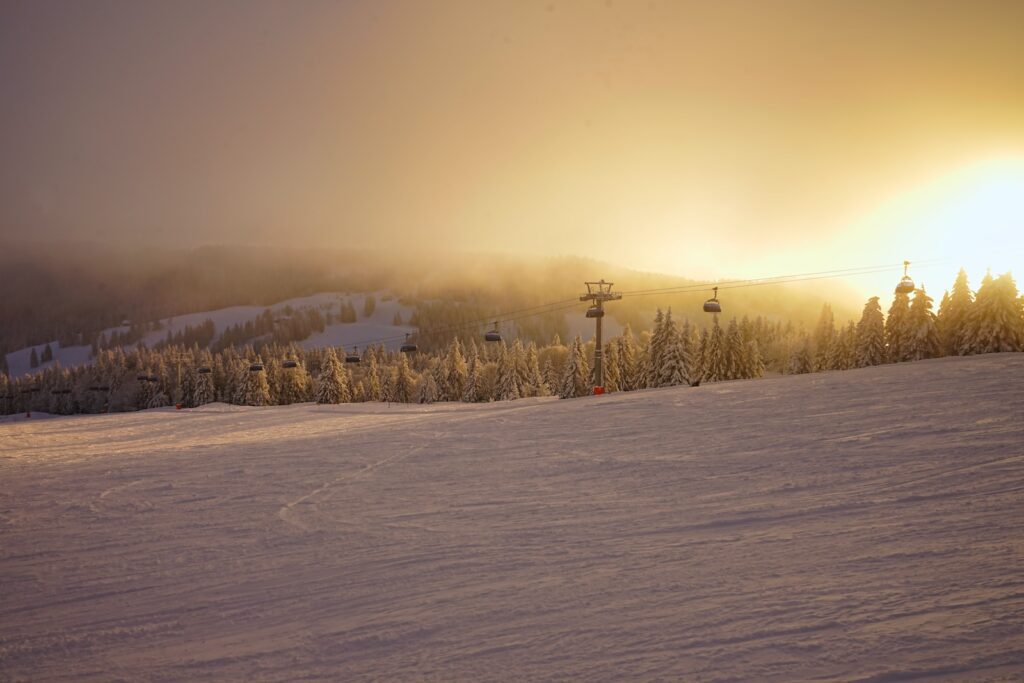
855 526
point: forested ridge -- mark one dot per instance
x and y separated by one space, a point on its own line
465 368
73 293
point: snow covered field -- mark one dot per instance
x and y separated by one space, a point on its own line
863 525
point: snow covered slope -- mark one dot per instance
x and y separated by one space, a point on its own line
863 525
20 362
362 332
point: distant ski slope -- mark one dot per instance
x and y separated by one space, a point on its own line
360 333
861 525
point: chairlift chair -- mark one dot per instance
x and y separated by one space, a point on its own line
493 335
906 285
595 312
142 378
408 346
290 364
256 367
204 370
712 305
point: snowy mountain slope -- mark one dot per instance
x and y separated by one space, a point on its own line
361 332
19 362
860 525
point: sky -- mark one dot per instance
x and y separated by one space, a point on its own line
697 138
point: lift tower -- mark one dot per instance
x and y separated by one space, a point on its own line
599 292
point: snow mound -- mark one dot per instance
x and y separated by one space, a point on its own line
860 525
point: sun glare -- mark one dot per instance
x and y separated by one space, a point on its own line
971 218
979 222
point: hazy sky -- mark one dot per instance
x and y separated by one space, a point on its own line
703 138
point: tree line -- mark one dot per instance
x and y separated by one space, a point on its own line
669 354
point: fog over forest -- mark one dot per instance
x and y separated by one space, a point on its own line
72 292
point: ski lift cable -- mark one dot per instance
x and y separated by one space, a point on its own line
740 284
766 280
565 304
471 324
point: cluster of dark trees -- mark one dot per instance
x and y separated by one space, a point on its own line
670 354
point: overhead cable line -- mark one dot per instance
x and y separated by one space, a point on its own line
564 304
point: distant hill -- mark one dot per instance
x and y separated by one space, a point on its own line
71 294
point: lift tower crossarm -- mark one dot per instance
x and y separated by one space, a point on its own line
599 292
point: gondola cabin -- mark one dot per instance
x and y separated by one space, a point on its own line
290 364
256 367
595 312
408 346
906 285
353 356
204 370
493 335
712 305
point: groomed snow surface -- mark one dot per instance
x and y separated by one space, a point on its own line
862 525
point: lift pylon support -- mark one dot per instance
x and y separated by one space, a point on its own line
598 293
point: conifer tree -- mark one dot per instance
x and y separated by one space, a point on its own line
612 375
523 378
203 391
673 361
923 339
332 384
405 383
577 371
995 322
897 329
713 354
550 377
471 393
800 359
953 317
732 352
871 335
824 336
690 343
456 372
427 391
372 380
842 352
666 356
47 354
33 359
158 399
254 390
533 380
753 364
629 370
508 381
387 384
